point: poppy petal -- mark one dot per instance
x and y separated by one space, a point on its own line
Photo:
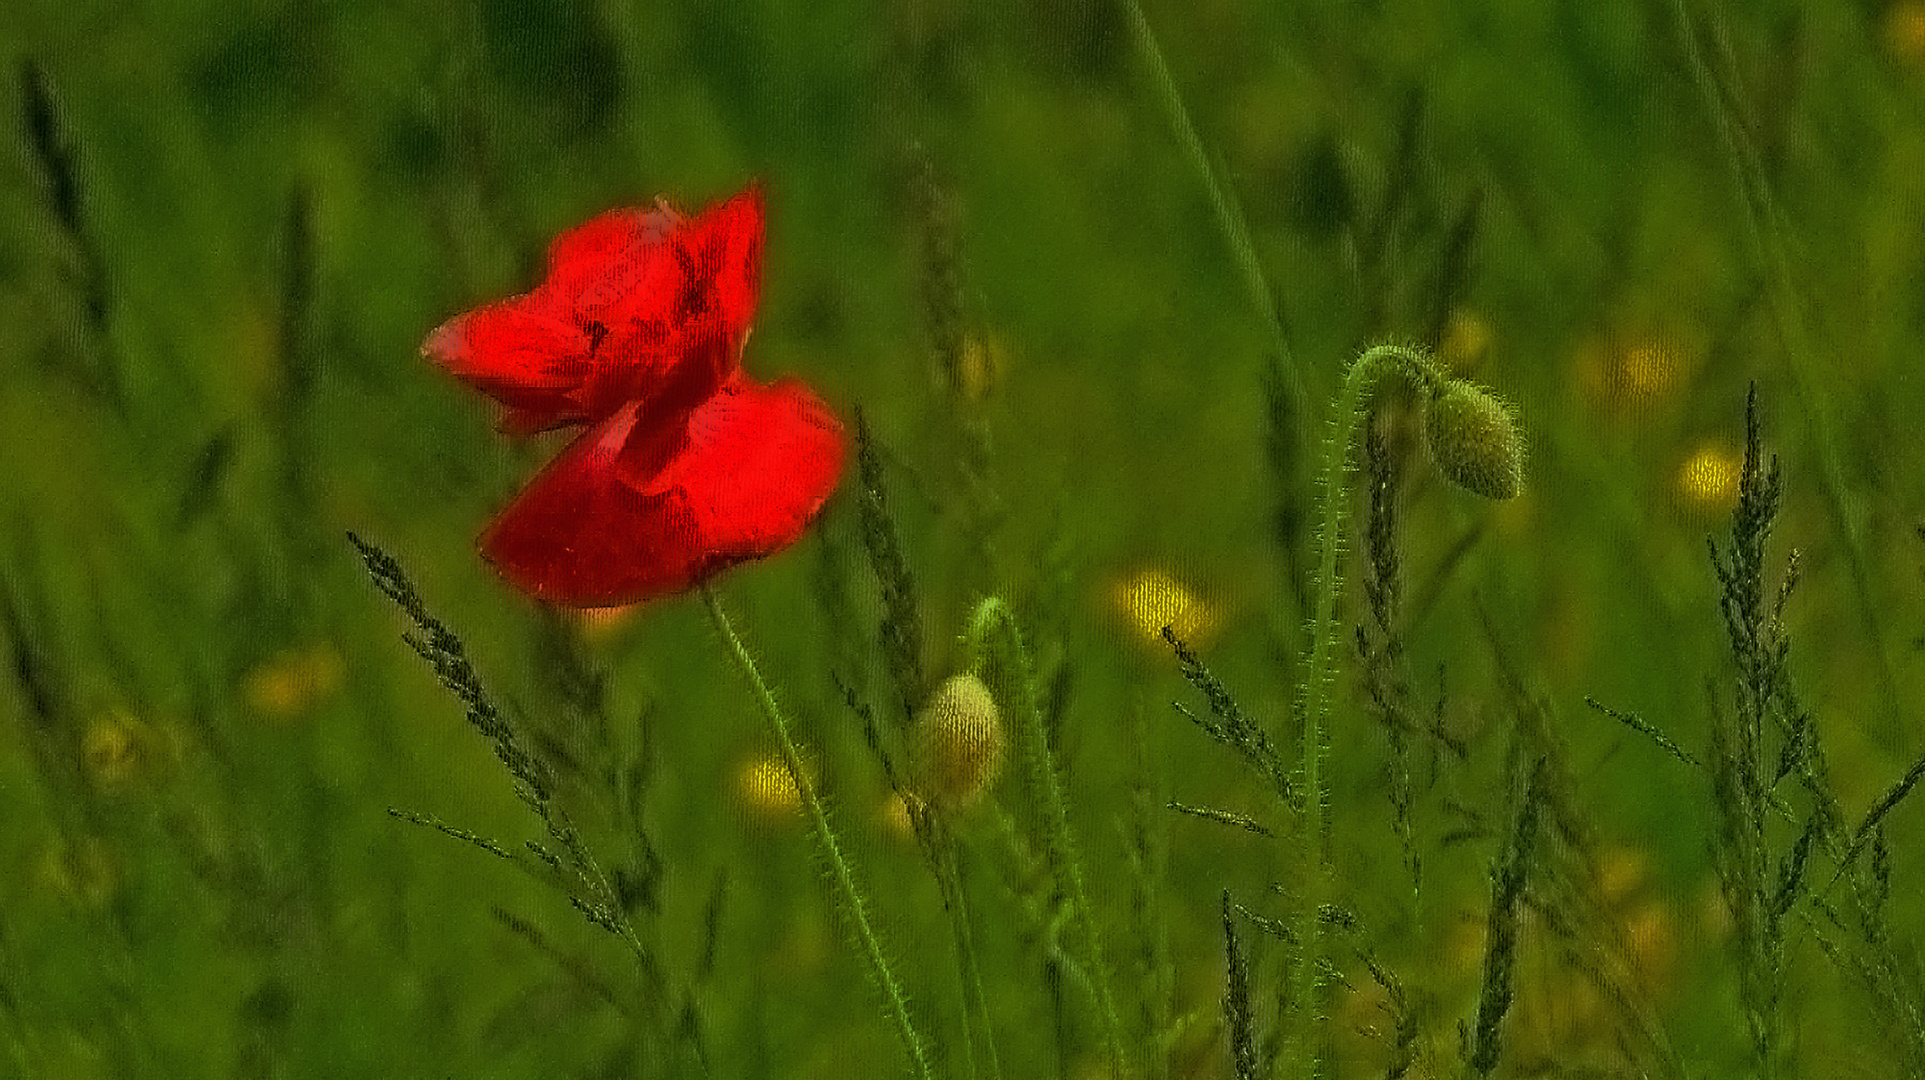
579 536
578 259
637 305
725 246
635 510
689 466
676 313
522 357
757 465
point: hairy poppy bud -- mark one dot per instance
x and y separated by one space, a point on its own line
959 741
1473 438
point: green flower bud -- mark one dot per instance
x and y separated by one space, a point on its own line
959 742
1473 438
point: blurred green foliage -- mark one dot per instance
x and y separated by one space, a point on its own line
209 372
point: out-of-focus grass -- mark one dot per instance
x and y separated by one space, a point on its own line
200 876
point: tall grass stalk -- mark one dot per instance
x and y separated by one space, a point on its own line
1473 440
976 1022
1229 216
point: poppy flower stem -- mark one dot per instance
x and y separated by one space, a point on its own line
1301 1041
831 848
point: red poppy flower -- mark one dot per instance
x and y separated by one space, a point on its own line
688 465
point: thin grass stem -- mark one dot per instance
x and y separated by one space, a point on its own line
1229 216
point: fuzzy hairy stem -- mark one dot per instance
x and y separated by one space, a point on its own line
994 624
1358 383
831 849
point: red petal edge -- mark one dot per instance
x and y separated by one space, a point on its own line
754 469
636 305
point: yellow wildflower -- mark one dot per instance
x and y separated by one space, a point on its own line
293 681
1152 599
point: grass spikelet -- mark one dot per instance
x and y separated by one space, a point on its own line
443 651
1875 817
1149 877
1644 727
901 628
1238 1016
1509 876
1760 893
941 277
428 821
53 152
586 886
1230 726
576 966
1380 644
1223 817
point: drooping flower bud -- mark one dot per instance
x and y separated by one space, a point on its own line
959 741
1474 440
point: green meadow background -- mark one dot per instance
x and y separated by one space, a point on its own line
1076 337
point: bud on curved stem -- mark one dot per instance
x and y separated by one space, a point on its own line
1474 440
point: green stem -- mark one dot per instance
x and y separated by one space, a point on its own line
1357 385
866 939
1228 215
992 615
975 1004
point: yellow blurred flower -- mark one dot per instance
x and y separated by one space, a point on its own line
1627 374
1707 480
1151 599
981 366
1561 1013
293 681
1620 870
1464 941
1646 370
1465 342
119 748
1714 910
895 818
1651 936
1905 31
767 791
602 623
